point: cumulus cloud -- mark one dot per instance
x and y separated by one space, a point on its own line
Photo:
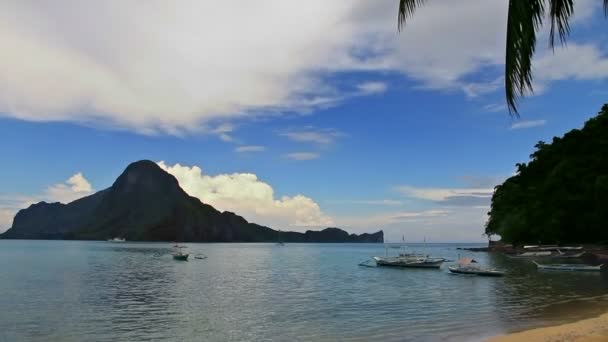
246 195
153 68
249 148
301 156
522 124
75 187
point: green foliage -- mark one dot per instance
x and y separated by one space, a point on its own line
561 195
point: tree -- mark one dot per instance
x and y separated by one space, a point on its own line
524 19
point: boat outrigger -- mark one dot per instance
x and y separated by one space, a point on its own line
466 266
409 261
569 267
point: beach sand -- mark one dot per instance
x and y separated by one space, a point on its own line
588 330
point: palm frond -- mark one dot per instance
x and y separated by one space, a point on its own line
606 8
560 13
524 19
407 8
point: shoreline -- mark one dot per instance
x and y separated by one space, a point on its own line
586 330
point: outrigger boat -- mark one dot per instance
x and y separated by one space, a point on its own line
568 267
465 266
178 254
405 261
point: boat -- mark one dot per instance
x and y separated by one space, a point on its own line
531 254
414 262
178 253
569 267
466 266
117 239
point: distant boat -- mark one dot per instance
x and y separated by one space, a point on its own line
178 253
568 267
117 239
466 266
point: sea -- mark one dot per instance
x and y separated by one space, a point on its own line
111 291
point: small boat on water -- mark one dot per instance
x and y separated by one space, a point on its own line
568 267
413 262
179 254
117 239
467 266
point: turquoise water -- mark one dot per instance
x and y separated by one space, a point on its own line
101 291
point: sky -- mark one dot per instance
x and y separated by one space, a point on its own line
296 115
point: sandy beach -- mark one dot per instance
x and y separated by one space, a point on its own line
588 330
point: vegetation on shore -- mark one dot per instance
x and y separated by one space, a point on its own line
561 194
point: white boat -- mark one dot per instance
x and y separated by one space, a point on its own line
568 267
117 239
467 266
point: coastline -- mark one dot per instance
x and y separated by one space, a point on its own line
587 330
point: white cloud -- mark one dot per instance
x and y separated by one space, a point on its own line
522 124
574 61
246 195
443 194
372 87
300 156
381 202
154 68
495 107
73 188
249 148
314 135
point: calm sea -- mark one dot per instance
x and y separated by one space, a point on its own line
102 291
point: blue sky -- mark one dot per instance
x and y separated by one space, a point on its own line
348 124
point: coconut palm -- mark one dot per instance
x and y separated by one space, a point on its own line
524 19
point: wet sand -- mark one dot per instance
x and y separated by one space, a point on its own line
588 330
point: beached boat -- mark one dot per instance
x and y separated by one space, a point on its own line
414 262
117 239
179 254
467 266
568 267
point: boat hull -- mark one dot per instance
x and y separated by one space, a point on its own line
180 257
570 268
408 263
483 273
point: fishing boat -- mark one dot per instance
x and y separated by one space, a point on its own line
179 254
414 262
568 267
466 266
117 239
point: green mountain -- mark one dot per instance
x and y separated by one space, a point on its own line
146 203
561 194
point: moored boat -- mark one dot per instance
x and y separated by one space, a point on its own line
569 267
467 266
117 239
413 262
179 254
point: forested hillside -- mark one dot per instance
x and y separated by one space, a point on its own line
561 194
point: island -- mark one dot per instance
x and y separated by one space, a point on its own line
146 203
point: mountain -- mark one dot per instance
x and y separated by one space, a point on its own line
145 203
561 194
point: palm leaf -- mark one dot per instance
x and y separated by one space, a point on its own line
407 8
524 19
560 13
